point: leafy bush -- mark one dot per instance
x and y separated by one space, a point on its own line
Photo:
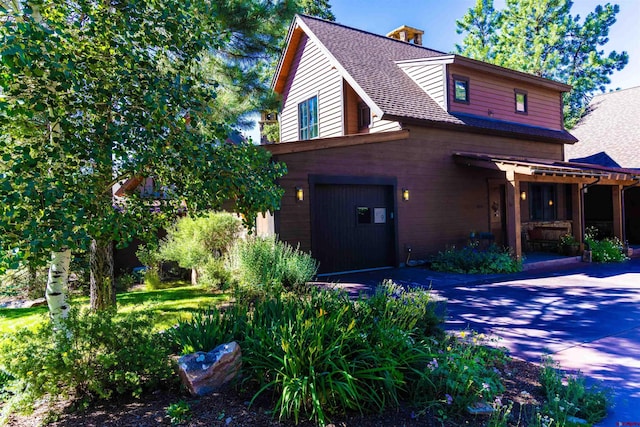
197 242
179 412
471 260
463 371
322 353
574 398
608 249
270 262
93 356
214 274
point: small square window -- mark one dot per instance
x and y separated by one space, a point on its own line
460 89
363 214
521 101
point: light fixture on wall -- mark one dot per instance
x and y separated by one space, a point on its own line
405 194
550 202
523 196
299 194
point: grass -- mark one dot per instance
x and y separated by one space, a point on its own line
170 304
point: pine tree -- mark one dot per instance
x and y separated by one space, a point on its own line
541 37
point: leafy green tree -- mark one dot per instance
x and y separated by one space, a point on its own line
543 38
195 242
92 93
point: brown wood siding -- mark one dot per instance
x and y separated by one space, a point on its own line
493 94
312 74
431 78
351 100
447 201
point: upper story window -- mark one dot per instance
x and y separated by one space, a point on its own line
364 116
308 118
461 89
521 101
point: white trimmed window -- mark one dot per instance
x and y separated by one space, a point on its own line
308 118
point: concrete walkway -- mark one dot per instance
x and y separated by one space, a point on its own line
586 316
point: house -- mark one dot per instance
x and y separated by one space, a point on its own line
609 135
396 151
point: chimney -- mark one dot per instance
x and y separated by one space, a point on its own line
407 34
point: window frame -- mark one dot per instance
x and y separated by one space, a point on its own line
465 80
310 128
524 93
364 116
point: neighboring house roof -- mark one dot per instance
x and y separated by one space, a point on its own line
368 62
609 134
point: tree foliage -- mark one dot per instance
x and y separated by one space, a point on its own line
543 38
92 93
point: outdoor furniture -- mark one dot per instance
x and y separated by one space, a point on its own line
545 236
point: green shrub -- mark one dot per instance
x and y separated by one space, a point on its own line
207 329
179 412
192 242
471 260
320 352
608 249
152 280
573 398
269 262
214 274
94 356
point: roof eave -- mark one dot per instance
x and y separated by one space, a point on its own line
480 130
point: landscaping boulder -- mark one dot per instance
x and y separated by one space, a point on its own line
203 373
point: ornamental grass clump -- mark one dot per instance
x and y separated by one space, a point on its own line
271 263
321 353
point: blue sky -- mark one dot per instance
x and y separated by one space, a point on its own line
437 18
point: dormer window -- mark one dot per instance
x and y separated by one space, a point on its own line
521 101
364 116
308 119
461 89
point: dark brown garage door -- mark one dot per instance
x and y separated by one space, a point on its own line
353 227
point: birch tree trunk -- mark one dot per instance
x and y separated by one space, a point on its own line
102 289
56 292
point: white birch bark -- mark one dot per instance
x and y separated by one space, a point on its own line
56 293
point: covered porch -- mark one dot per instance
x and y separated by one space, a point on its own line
536 202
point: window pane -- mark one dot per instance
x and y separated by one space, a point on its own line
543 202
521 102
461 90
364 215
308 118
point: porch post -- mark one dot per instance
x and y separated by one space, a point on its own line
618 214
576 208
514 238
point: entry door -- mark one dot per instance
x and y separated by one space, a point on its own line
497 212
353 227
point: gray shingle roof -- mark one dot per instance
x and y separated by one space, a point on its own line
609 134
370 61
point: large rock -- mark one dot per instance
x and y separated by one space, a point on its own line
203 373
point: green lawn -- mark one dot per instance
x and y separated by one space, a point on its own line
170 305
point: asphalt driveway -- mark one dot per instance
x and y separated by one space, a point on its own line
586 317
